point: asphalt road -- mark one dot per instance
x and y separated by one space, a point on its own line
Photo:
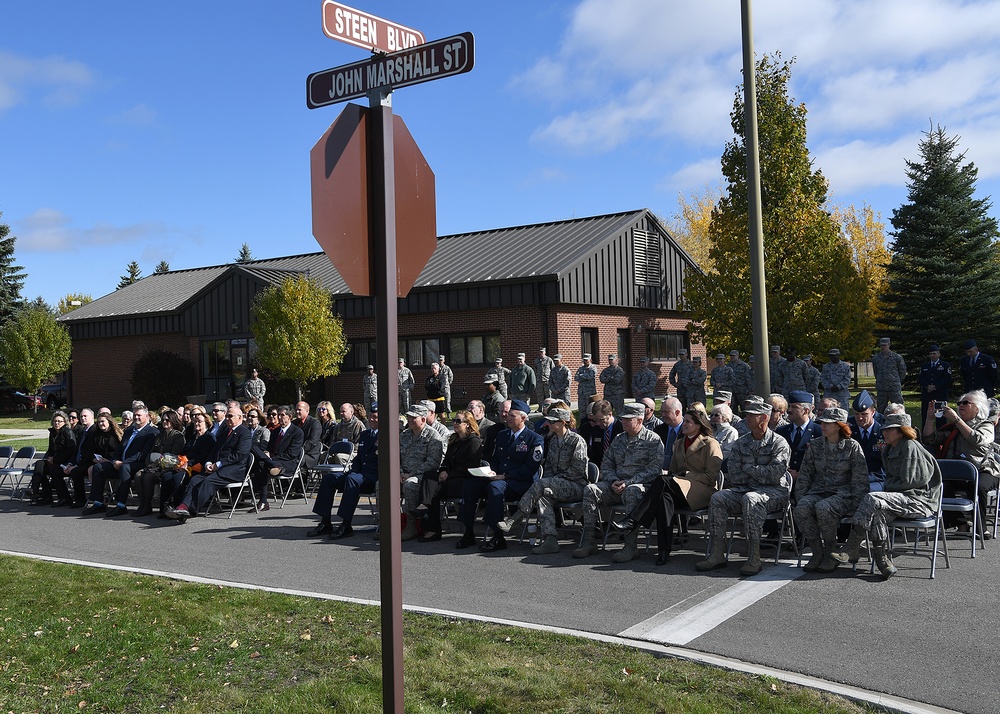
935 641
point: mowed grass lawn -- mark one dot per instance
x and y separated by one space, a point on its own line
82 639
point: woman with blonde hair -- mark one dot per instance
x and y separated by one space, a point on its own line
465 451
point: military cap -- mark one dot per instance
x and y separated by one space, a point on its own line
612 356
833 414
374 407
834 352
498 360
969 344
371 366
557 356
428 404
417 410
894 421
696 358
644 359
863 401
520 355
559 414
800 396
491 379
776 348
934 348
440 356
587 355
756 405
541 349
734 353
885 341
633 410
518 405
723 396
720 356
682 351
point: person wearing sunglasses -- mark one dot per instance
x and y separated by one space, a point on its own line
968 435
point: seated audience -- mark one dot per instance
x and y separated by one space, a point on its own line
465 451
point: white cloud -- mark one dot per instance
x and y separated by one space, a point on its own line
48 230
56 81
139 115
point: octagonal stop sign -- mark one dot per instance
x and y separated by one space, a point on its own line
341 201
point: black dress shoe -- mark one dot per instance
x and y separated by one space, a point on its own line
62 502
116 511
465 541
342 532
628 525
321 529
428 537
495 544
40 501
662 558
95 509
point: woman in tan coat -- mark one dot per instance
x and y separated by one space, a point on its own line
692 479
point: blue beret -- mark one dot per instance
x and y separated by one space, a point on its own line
520 406
863 401
798 396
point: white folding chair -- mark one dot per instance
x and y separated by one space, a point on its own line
18 467
239 487
290 479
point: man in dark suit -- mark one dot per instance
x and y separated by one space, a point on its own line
284 449
979 371
670 430
935 379
800 428
868 432
77 470
312 432
137 442
516 456
229 464
600 430
362 479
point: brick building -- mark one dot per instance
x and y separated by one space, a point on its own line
601 284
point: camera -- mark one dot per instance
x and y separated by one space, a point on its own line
938 406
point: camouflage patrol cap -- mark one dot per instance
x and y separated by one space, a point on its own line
559 414
895 421
557 356
633 410
722 396
834 352
885 341
682 351
756 405
417 410
776 348
720 356
833 414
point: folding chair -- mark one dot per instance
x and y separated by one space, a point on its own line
18 466
925 526
291 479
338 460
6 452
966 472
702 513
992 499
784 518
239 487
573 508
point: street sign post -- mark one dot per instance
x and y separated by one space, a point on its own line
433 60
356 27
377 77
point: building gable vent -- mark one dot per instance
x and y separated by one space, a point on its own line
647 257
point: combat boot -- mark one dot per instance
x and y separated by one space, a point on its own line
716 558
547 547
880 552
410 532
829 563
630 550
507 524
816 545
588 547
752 566
852 550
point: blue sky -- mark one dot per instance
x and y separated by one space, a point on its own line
178 131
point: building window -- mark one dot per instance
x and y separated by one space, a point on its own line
360 354
646 255
417 350
664 346
588 343
473 349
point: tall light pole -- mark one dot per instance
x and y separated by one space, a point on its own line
762 367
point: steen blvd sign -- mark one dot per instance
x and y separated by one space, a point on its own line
359 28
433 60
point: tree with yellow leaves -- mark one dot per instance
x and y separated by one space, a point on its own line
865 232
298 336
815 297
691 222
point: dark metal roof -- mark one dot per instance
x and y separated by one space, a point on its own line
528 252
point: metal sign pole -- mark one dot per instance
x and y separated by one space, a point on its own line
382 250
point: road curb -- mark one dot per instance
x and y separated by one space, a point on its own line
885 701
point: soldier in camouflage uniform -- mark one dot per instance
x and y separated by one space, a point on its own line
405 385
447 377
679 375
644 381
421 450
634 458
522 380
696 383
559 380
586 379
832 479
564 478
502 375
369 392
777 370
742 380
493 400
757 483
812 382
613 379
836 378
890 371
543 370
723 377
794 374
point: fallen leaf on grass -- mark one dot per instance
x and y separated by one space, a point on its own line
38 633
254 655
234 644
307 635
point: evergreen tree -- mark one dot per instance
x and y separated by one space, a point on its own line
942 279
815 297
11 276
245 255
133 275
162 267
